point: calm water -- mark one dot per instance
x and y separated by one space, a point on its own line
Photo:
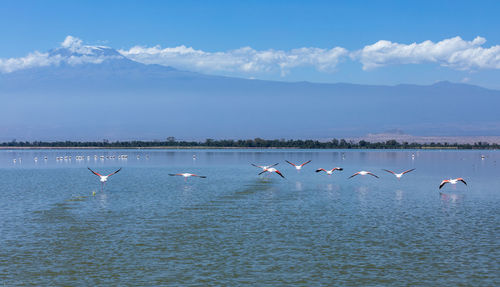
238 228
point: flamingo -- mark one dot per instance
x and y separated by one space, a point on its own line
103 178
363 173
264 167
329 172
399 175
186 175
298 167
452 181
271 170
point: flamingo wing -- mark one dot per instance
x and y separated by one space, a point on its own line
94 172
443 183
274 164
256 165
278 172
320 169
262 171
290 163
372 174
115 172
462 180
337 168
410 170
175 174
390 171
354 175
305 163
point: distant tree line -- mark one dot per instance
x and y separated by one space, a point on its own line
251 143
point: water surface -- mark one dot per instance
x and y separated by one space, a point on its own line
238 228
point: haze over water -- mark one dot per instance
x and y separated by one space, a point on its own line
238 228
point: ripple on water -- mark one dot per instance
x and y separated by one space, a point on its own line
250 230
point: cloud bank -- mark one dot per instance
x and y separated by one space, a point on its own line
71 52
245 59
454 53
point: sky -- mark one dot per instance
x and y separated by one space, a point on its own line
365 42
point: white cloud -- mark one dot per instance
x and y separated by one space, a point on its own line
71 43
78 54
453 52
245 59
35 59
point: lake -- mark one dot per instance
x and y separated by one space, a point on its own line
236 227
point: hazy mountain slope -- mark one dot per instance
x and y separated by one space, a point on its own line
122 99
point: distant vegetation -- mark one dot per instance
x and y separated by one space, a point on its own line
250 143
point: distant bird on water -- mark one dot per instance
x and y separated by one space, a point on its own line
398 175
329 172
452 181
264 167
298 167
363 173
186 175
103 178
271 170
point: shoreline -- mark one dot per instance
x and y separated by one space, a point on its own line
155 147
234 148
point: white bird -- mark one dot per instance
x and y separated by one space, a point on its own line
186 175
363 173
103 178
271 170
264 167
399 175
452 181
329 172
298 167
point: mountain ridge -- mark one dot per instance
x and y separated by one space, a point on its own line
106 95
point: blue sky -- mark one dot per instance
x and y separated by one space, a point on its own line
211 27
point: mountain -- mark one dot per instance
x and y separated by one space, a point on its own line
97 93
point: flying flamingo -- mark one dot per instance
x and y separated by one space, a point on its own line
329 172
363 173
271 170
399 175
452 181
103 178
264 167
298 167
186 175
